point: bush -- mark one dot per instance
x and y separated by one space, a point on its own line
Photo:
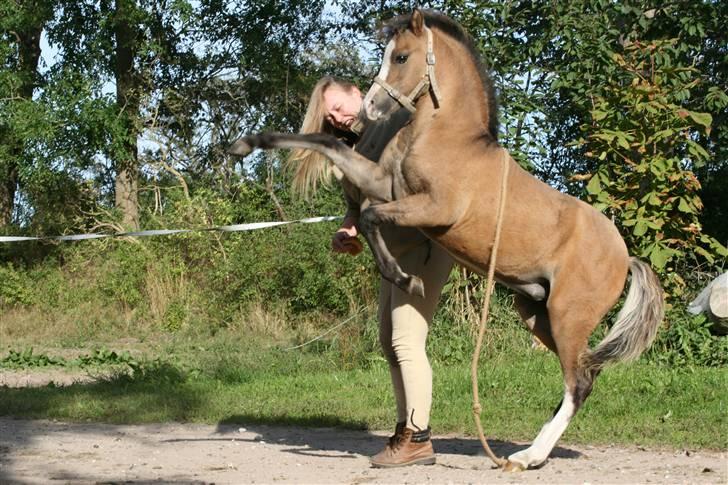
687 341
15 287
122 274
205 281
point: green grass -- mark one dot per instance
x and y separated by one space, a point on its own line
237 378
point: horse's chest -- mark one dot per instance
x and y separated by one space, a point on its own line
400 164
400 188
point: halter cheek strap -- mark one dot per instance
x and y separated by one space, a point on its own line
357 126
427 81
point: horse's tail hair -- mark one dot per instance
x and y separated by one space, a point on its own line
637 321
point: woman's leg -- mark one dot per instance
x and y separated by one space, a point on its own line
410 320
404 322
385 339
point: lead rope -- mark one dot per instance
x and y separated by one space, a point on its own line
500 462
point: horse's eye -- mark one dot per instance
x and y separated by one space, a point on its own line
401 58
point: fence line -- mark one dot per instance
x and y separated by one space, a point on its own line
252 226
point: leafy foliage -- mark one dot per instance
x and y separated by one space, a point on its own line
687 341
644 144
15 287
26 359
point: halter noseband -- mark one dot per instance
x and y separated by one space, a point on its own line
427 81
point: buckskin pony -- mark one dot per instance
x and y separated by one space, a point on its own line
565 261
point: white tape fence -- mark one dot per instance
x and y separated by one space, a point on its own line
252 226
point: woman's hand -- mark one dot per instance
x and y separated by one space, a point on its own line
346 239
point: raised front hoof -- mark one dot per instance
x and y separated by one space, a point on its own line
240 148
414 286
513 467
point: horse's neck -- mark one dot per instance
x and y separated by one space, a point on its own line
453 123
463 110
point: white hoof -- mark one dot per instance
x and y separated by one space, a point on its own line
512 467
525 459
519 459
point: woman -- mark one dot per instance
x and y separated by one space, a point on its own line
335 108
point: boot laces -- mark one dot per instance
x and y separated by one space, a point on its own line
396 441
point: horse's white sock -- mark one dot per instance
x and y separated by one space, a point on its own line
547 438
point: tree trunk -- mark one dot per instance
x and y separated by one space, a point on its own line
127 100
125 188
8 186
28 39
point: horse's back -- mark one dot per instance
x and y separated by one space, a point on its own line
545 232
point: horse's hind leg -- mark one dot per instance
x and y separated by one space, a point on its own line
570 330
535 315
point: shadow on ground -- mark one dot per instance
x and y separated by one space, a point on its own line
348 437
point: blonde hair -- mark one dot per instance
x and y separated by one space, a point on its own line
310 167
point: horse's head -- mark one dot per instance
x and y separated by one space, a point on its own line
407 70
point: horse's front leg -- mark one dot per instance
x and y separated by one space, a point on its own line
369 177
387 264
417 210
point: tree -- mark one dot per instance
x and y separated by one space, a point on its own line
21 25
134 45
257 63
645 142
186 77
127 31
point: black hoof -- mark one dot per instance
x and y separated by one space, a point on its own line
414 286
241 148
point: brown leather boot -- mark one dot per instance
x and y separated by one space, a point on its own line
406 448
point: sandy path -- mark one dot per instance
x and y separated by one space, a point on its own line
43 451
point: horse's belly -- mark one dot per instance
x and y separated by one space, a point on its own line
537 290
534 287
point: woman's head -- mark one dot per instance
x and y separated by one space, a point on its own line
341 105
334 106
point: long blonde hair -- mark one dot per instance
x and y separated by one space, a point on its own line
310 167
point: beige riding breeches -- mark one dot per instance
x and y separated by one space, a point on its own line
403 324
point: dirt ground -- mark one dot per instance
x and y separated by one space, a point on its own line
37 451
54 452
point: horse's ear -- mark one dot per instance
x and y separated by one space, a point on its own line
417 22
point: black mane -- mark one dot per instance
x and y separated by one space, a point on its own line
452 29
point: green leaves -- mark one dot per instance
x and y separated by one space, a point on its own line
27 359
640 228
659 256
594 186
598 115
703 119
647 144
684 206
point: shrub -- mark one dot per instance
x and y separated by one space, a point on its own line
687 341
15 287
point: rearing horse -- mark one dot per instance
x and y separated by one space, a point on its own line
565 261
